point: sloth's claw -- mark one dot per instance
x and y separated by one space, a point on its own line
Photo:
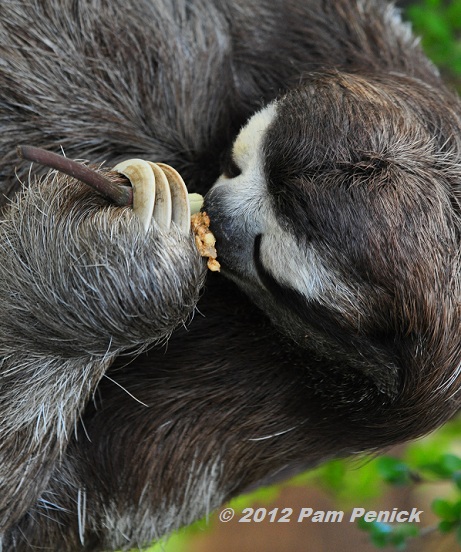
142 179
179 197
160 193
163 208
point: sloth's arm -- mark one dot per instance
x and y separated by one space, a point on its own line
79 283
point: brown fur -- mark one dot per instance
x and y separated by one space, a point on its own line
105 445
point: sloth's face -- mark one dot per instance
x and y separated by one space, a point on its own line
339 207
261 247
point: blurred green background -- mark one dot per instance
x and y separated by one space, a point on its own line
425 474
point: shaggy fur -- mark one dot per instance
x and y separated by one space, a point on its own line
334 327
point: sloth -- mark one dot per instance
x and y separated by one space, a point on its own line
139 392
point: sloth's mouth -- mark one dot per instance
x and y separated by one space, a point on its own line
234 243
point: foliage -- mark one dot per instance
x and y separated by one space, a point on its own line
427 462
439 24
445 467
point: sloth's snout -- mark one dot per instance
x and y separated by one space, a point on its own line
233 243
220 224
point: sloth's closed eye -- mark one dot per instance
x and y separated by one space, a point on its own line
230 169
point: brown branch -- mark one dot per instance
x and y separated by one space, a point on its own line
120 195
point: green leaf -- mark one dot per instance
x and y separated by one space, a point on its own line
446 526
263 495
364 525
453 14
380 541
425 450
445 467
433 3
438 23
408 530
457 479
333 476
443 509
458 534
456 507
346 481
381 528
399 541
381 533
175 543
394 471
450 463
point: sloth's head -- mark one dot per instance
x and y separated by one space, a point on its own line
339 215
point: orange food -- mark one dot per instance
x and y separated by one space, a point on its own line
204 239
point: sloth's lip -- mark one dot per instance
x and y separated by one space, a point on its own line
233 253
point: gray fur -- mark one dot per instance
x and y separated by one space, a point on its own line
79 284
125 412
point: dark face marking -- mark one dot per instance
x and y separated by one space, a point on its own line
358 218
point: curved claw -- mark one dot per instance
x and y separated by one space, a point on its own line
163 200
179 197
159 193
141 176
